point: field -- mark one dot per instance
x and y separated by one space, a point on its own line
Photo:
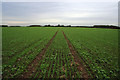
38 52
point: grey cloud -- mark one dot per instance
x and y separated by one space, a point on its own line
60 12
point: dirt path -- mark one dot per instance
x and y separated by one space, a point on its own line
32 67
80 67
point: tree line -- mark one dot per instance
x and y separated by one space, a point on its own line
94 26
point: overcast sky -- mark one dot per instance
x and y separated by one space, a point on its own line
73 13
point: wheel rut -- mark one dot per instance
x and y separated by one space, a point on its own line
32 66
80 66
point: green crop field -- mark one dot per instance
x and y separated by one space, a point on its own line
51 52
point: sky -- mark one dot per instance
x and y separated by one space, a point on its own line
64 13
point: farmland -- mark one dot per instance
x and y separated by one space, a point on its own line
38 52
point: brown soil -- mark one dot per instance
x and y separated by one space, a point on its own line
32 67
30 52
80 67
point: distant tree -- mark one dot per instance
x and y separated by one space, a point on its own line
14 26
68 26
47 25
58 25
4 25
105 26
35 26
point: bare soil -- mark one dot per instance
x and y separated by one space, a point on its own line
32 66
80 67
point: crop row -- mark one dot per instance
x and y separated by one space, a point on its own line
57 62
15 65
96 49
